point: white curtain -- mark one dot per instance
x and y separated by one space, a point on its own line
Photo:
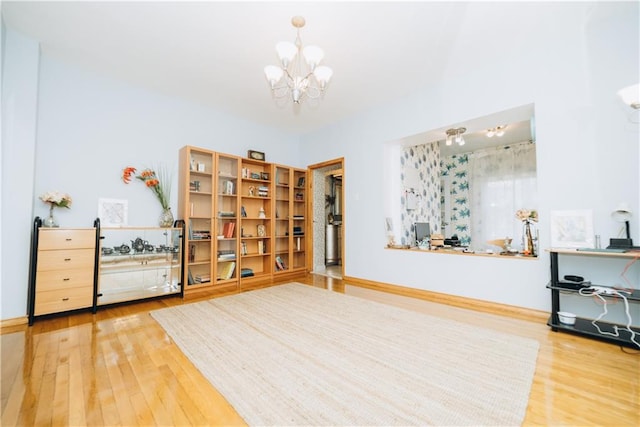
501 181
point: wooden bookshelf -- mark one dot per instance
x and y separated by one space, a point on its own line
245 221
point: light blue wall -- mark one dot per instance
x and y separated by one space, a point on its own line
90 127
587 149
20 57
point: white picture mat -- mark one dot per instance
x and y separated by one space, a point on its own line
572 229
113 212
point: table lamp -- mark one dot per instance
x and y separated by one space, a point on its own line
622 214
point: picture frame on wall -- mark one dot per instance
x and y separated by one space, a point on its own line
572 229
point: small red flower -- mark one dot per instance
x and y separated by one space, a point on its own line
147 173
127 173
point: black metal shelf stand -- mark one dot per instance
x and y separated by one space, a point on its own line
585 326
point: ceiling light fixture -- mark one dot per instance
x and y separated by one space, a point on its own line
496 131
294 76
455 134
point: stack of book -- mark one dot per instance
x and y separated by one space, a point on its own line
194 185
226 255
263 191
200 234
226 214
246 272
203 278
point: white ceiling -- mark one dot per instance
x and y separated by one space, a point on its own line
214 52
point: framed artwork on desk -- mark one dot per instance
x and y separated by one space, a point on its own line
113 212
572 229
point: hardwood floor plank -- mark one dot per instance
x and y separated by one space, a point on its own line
76 390
60 412
44 408
119 367
144 416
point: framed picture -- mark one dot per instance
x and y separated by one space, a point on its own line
262 231
113 212
301 181
256 155
572 229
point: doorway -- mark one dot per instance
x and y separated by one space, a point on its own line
328 212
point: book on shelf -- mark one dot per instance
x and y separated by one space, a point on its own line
246 272
194 186
298 217
226 214
228 188
227 229
280 265
298 243
192 252
225 270
190 279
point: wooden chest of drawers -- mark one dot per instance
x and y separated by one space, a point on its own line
63 279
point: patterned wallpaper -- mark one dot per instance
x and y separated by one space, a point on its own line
420 193
456 168
422 196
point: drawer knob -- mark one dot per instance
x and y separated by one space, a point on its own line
67 259
66 279
68 239
65 299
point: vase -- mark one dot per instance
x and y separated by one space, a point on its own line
166 218
50 221
529 248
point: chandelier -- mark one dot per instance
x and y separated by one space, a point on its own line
295 76
455 135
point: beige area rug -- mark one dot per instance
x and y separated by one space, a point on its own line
298 355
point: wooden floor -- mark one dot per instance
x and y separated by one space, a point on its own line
118 367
